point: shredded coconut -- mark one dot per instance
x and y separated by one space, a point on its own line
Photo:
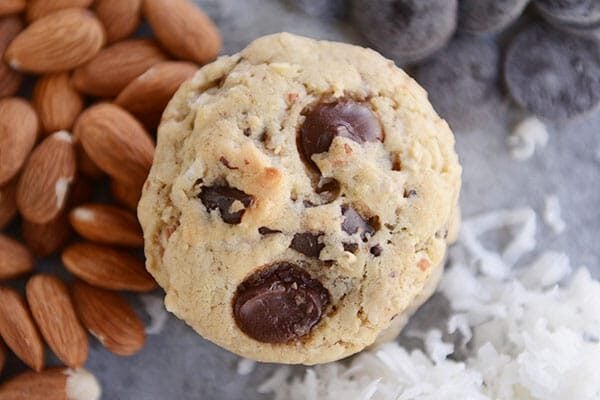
529 134
245 366
156 310
552 216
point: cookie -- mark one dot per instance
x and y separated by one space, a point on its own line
488 16
302 195
553 74
571 12
462 80
321 8
406 30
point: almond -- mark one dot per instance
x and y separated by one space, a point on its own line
109 318
115 66
12 6
37 9
85 165
52 384
42 48
116 142
10 80
47 238
120 18
18 132
183 29
150 92
18 330
15 259
8 203
53 311
107 268
126 195
106 224
46 178
57 102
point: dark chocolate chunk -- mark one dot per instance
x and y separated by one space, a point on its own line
553 74
279 304
580 13
376 250
224 198
354 223
329 190
345 118
486 16
409 193
263 230
350 247
307 243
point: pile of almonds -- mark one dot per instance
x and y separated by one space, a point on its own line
97 100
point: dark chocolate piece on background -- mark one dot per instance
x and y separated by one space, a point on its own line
350 247
582 13
488 16
353 222
553 74
263 230
329 190
279 304
376 250
223 198
307 243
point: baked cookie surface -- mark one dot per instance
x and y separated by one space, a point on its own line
300 196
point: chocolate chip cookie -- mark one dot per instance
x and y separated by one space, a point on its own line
302 195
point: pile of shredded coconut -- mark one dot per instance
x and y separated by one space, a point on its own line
530 332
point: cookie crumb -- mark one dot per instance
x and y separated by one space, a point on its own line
529 134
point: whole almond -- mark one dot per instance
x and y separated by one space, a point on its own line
10 80
12 6
46 178
115 66
150 92
183 29
85 165
18 132
106 267
109 318
42 48
106 224
47 238
126 195
116 142
37 9
120 18
53 311
52 384
57 102
15 259
18 330
8 203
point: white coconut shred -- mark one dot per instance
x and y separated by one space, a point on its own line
533 333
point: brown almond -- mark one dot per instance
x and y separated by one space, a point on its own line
12 6
37 9
15 259
10 80
18 330
85 165
8 203
126 195
18 133
109 318
115 66
183 29
150 92
57 102
106 224
120 18
116 142
42 48
47 176
106 267
51 384
53 311
47 238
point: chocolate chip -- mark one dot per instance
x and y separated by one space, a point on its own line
344 118
350 247
329 189
247 132
376 250
307 243
279 304
409 193
225 198
263 230
354 223
226 163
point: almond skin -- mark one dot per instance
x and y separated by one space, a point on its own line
12 6
183 29
150 92
8 203
126 195
53 311
47 238
37 9
19 127
42 48
105 267
57 102
44 184
115 66
106 224
10 80
116 142
18 330
109 318
120 18
15 259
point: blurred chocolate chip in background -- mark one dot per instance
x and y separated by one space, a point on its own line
321 8
487 16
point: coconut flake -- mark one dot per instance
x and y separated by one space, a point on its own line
529 134
245 366
552 214
155 308
81 385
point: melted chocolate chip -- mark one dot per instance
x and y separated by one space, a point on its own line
350 247
353 223
409 193
329 190
325 121
307 243
263 230
223 198
376 250
279 304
